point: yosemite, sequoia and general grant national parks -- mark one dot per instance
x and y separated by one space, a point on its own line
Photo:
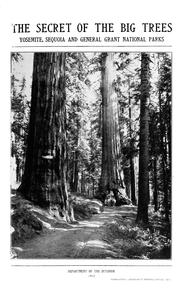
91 155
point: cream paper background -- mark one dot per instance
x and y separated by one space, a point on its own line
55 277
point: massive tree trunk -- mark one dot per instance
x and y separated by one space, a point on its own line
111 173
44 180
143 200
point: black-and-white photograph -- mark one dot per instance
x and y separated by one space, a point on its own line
91 155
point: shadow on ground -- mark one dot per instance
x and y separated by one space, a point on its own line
111 234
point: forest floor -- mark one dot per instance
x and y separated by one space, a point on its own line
112 234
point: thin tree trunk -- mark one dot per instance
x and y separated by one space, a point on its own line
169 139
127 180
83 188
76 171
93 187
133 190
164 162
155 192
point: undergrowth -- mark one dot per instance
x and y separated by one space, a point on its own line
134 242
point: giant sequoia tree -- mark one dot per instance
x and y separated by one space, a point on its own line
142 215
44 180
111 174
